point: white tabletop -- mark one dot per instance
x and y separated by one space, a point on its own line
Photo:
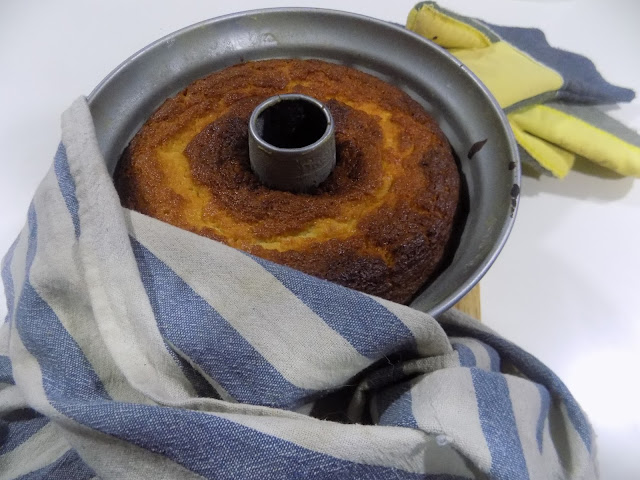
566 286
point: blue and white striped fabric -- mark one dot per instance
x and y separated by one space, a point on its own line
135 350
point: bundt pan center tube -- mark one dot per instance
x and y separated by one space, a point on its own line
292 142
462 106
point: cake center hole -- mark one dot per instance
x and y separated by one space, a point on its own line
291 123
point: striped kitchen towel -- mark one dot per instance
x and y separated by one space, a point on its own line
135 350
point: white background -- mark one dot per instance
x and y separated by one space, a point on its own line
566 286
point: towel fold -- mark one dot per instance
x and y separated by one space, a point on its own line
136 350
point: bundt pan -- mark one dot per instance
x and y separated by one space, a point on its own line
465 110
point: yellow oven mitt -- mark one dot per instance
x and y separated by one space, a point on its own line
549 95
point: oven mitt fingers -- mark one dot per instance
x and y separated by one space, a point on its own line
525 73
541 156
565 128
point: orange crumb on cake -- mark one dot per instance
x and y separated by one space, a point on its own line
380 223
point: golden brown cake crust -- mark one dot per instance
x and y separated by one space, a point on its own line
380 223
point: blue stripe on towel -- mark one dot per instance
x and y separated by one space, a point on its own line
535 371
195 328
7 279
499 426
32 245
218 448
545 404
67 185
15 431
494 358
65 370
396 407
6 372
201 385
369 327
68 467
465 354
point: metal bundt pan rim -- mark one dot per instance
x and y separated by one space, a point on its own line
460 103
